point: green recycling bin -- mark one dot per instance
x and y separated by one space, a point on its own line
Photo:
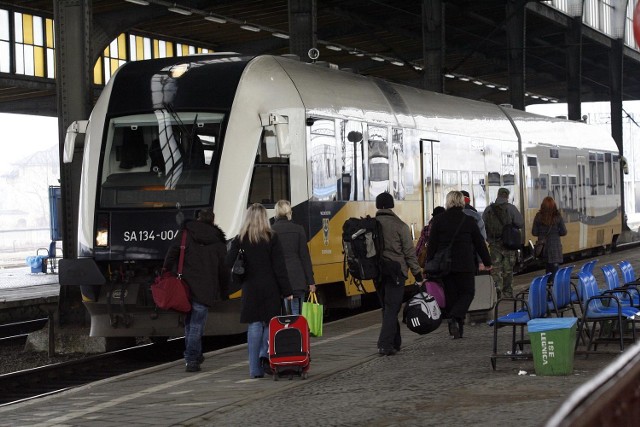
553 344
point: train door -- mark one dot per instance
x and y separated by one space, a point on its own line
431 192
582 198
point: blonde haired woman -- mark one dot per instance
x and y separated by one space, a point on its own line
453 227
296 254
264 283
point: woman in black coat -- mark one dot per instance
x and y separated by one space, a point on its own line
264 283
205 271
548 226
296 254
459 284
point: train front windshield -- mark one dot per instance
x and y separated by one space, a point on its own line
160 160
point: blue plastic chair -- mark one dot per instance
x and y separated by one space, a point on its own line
628 295
559 299
588 268
533 307
597 313
628 275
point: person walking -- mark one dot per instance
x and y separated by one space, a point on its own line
398 256
455 228
296 254
473 212
204 270
503 259
548 226
421 246
264 284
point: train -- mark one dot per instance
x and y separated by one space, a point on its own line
168 137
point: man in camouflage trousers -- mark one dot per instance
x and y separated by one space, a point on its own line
502 259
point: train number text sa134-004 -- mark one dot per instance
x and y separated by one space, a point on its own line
144 235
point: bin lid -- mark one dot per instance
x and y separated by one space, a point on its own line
549 324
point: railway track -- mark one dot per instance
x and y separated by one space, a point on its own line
41 381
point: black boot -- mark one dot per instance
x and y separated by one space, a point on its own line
454 330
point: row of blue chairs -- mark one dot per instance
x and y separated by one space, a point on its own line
616 305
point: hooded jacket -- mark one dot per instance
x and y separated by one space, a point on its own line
204 267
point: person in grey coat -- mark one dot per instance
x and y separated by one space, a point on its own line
296 254
398 256
548 225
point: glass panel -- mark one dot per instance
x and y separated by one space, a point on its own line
160 160
270 179
378 161
323 160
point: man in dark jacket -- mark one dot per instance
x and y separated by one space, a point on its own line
398 255
205 272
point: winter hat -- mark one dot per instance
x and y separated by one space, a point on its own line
503 192
467 199
384 201
437 210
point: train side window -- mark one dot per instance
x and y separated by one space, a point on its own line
323 152
378 161
351 165
615 173
270 180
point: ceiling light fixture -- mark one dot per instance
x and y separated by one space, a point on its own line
377 58
332 47
215 19
503 88
179 10
490 86
464 79
477 82
250 28
450 76
139 2
280 35
417 68
398 63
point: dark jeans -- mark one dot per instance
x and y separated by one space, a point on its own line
459 290
390 295
193 329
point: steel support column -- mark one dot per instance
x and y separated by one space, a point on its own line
433 45
302 27
573 39
74 72
516 30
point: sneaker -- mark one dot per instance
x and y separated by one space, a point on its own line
257 376
192 367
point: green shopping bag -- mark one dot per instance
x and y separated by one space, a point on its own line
313 312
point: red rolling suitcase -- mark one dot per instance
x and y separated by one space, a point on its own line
289 350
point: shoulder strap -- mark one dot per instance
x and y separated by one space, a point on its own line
493 207
182 247
458 229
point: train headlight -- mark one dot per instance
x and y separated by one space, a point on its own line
102 231
102 238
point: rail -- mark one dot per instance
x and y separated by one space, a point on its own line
610 399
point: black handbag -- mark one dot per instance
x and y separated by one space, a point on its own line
238 268
440 265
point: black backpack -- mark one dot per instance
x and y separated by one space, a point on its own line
362 244
500 227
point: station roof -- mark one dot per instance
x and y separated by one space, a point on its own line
475 43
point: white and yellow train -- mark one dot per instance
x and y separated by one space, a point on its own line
170 136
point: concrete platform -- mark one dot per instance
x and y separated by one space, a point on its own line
433 380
